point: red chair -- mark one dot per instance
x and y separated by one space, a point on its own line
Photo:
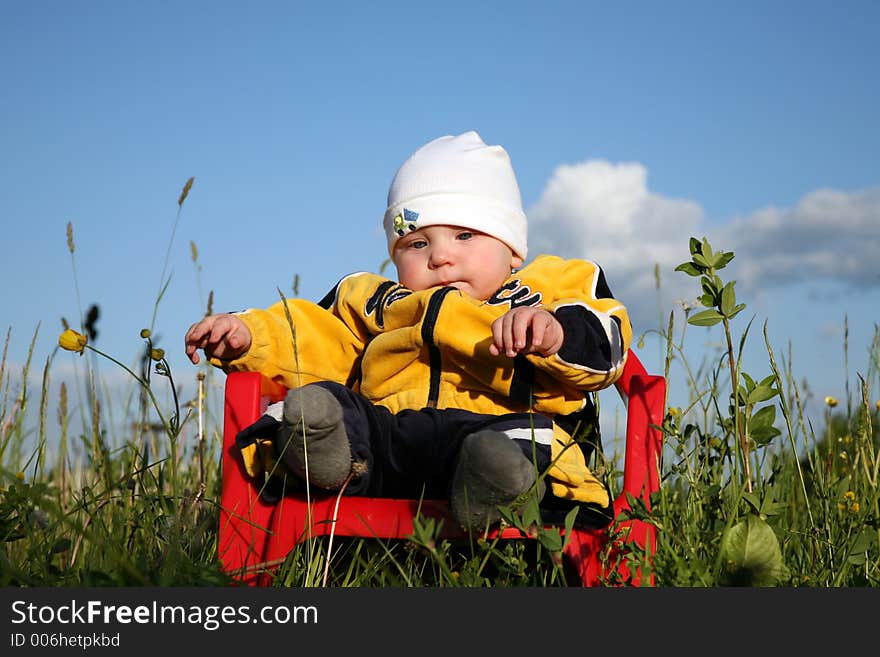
255 536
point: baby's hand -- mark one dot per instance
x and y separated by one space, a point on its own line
526 330
223 336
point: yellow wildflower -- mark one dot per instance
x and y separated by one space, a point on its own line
72 341
19 475
674 410
831 402
849 502
157 354
878 404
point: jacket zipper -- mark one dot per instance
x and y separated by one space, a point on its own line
434 359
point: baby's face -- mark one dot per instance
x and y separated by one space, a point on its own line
473 262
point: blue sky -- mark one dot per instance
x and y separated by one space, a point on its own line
632 126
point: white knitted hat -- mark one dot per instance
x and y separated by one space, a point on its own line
459 181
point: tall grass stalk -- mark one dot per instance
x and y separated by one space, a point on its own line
163 281
786 414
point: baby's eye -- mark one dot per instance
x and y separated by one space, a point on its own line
418 244
464 235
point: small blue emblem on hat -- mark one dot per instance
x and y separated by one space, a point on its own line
406 222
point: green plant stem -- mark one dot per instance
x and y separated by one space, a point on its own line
168 429
738 425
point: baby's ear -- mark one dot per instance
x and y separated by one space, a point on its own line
516 262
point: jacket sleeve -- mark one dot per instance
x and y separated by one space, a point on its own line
323 341
313 345
597 328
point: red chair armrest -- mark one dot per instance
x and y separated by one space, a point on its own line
645 398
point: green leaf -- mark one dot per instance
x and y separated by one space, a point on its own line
721 262
762 393
551 540
701 261
570 517
753 500
857 559
728 299
736 311
707 251
690 269
709 287
694 245
708 317
863 543
765 436
530 513
762 419
751 555
761 425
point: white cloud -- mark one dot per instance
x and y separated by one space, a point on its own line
605 212
830 237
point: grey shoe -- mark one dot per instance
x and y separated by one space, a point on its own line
312 439
492 471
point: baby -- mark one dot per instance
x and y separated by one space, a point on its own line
465 378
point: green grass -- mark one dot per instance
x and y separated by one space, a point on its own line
810 516
750 493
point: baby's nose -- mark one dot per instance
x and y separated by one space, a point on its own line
440 255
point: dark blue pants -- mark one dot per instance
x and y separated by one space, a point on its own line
413 453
